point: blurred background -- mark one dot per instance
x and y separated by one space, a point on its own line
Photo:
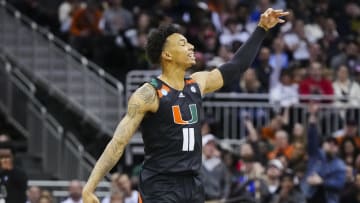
67 68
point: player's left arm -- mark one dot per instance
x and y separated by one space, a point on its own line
210 81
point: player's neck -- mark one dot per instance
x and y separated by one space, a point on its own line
173 77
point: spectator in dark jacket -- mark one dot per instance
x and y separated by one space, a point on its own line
13 181
289 192
325 174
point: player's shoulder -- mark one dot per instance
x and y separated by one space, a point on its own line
146 97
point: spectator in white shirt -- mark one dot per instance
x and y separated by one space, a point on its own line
75 189
285 93
123 185
346 90
232 33
296 42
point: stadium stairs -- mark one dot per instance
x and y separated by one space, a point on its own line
79 95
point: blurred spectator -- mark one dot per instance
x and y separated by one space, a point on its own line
289 192
348 151
273 173
315 84
298 133
114 186
75 189
316 53
349 57
351 130
249 186
85 27
346 90
263 69
278 61
13 181
325 174
254 147
299 74
230 160
124 184
116 18
281 146
46 197
209 126
85 21
297 44
213 171
249 83
331 38
33 194
268 131
224 54
352 11
286 92
298 155
65 13
350 192
232 33
118 197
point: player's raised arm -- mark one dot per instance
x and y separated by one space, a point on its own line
142 101
243 57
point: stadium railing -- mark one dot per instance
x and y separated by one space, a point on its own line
230 109
67 74
61 153
59 189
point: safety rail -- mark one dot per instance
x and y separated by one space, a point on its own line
230 109
82 84
59 188
61 153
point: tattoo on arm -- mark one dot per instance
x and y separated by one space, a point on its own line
122 135
132 110
147 94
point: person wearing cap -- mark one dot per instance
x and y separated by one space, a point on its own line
273 174
213 171
325 174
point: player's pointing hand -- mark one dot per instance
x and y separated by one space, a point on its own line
271 17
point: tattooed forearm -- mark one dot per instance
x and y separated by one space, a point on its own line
113 150
138 106
147 94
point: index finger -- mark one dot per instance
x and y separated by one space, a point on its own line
283 13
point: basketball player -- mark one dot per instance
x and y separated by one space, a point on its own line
168 110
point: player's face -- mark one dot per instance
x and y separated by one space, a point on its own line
179 51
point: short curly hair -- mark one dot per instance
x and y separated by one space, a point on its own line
156 41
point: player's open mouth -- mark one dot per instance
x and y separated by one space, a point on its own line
192 55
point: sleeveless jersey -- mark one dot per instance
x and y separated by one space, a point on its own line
172 135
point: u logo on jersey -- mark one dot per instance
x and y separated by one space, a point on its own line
178 117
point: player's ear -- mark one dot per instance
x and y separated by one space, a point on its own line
166 55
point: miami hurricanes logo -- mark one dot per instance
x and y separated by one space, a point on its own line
178 118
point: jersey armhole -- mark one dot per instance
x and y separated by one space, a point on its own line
154 84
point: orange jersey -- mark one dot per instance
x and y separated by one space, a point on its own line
287 152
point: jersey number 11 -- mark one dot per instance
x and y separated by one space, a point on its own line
188 139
